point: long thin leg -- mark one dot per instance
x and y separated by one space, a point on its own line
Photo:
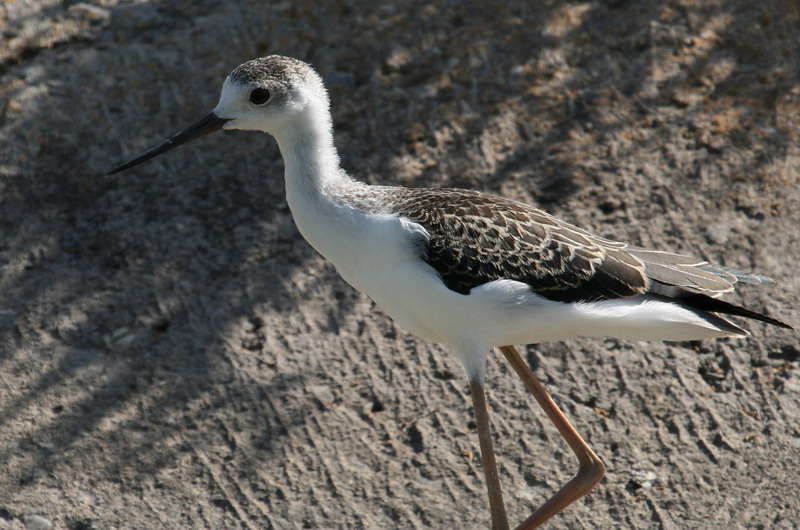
591 469
499 518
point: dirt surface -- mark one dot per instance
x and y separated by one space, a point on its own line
174 355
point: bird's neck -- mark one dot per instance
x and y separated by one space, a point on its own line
316 186
311 160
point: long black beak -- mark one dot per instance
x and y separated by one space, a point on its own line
207 125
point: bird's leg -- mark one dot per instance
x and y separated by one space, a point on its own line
499 519
590 470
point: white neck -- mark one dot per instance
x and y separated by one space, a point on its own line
315 183
311 160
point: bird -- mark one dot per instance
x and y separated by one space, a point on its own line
471 270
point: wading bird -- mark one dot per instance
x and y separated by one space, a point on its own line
469 269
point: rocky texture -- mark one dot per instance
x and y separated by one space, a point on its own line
172 354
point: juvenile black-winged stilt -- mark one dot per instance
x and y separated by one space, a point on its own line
468 269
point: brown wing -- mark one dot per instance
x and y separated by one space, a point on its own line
476 238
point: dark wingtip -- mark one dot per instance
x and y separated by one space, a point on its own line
707 303
775 322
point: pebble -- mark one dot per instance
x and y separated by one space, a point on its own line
37 522
644 478
90 12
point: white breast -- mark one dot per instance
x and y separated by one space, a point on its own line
376 254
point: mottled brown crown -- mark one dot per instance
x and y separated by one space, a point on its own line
276 69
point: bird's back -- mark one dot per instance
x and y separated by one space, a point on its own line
475 238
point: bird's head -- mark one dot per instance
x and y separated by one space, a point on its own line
272 94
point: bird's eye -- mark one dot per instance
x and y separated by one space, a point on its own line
259 96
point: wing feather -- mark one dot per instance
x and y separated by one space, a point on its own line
475 238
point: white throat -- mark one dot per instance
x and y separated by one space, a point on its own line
315 183
312 163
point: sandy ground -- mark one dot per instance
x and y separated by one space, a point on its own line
174 355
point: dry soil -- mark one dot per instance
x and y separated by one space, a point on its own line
174 355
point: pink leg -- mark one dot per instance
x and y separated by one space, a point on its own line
499 519
590 469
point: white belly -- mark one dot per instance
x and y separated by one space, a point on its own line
376 255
